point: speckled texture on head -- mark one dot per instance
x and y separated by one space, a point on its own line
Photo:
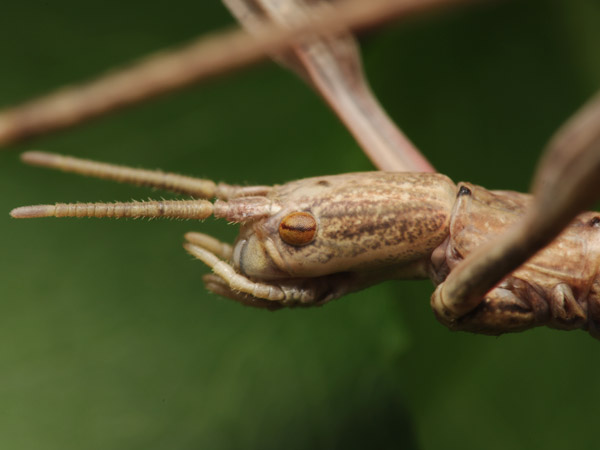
364 221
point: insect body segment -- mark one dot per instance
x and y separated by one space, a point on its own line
557 287
313 240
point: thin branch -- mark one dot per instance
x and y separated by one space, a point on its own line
332 66
204 58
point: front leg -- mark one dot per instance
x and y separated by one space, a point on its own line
566 183
274 294
297 292
500 311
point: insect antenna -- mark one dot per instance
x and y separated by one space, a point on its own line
172 182
246 203
174 209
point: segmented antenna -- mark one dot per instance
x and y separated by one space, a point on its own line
175 209
247 203
158 179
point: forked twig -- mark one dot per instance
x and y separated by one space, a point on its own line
206 57
332 66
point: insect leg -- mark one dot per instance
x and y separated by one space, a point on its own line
206 57
285 292
217 285
566 311
221 249
566 182
331 64
235 281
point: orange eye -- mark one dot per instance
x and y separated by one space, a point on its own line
298 228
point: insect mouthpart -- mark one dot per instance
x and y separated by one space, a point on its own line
257 259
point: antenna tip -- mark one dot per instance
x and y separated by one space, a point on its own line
37 158
30 212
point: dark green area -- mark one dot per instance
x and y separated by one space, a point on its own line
108 339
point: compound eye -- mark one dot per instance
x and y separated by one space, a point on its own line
298 228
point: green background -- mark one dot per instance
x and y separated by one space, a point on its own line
108 339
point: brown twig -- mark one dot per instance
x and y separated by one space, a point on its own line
206 57
332 66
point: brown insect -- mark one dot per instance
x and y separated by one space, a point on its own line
312 240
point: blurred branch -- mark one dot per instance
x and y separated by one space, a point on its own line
332 66
208 56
